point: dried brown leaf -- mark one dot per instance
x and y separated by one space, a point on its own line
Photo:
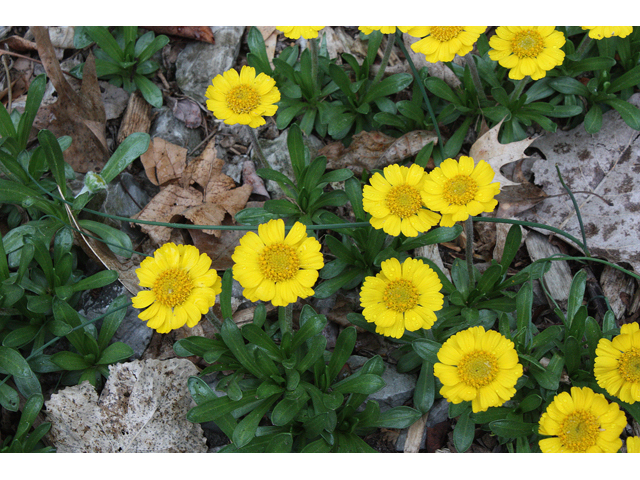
375 150
202 34
488 148
80 115
250 177
163 161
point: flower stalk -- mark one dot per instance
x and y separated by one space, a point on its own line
468 231
468 58
385 60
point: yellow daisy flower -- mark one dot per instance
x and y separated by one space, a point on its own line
606 32
395 201
297 32
581 422
385 30
528 51
401 296
478 366
417 32
442 44
633 444
457 189
182 287
617 365
243 98
275 268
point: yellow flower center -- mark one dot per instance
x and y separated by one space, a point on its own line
242 99
400 295
478 368
404 201
172 287
460 190
579 431
279 262
527 44
444 34
629 365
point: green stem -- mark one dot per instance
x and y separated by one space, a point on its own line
285 316
385 60
575 207
256 146
519 88
468 230
313 47
468 58
213 320
418 79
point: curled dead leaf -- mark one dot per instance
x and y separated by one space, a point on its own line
163 161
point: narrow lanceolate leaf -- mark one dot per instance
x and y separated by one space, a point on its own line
12 363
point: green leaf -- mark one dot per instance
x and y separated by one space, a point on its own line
329 287
156 45
296 147
282 207
550 378
463 432
7 129
353 190
345 343
287 409
576 295
30 412
111 322
427 349
512 428
9 398
424 393
233 339
70 361
117 240
257 47
489 279
364 383
569 86
389 86
593 119
225 294
149 90
34 98
257 336
106 42
130 149
23 335
440 89
246 429
336 176
629 113
628 79
398 417
433 236
340 77
97 280
311 324
199 390
53 154
114 353
572 354
12 363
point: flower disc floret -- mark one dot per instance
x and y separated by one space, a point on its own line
582 421
181 287
276 268
599 33
402 296
297 32
395 201
617 364
243 98
528 51
442 44
458 189
478 366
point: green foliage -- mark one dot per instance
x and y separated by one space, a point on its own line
306 198
26 440
124 58
293 381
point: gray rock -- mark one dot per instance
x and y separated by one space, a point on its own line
277 155
132 331
399 386
169 128
200 62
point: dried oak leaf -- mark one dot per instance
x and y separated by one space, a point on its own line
496 154
142 408
80 115
220 197
375 150
163 161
